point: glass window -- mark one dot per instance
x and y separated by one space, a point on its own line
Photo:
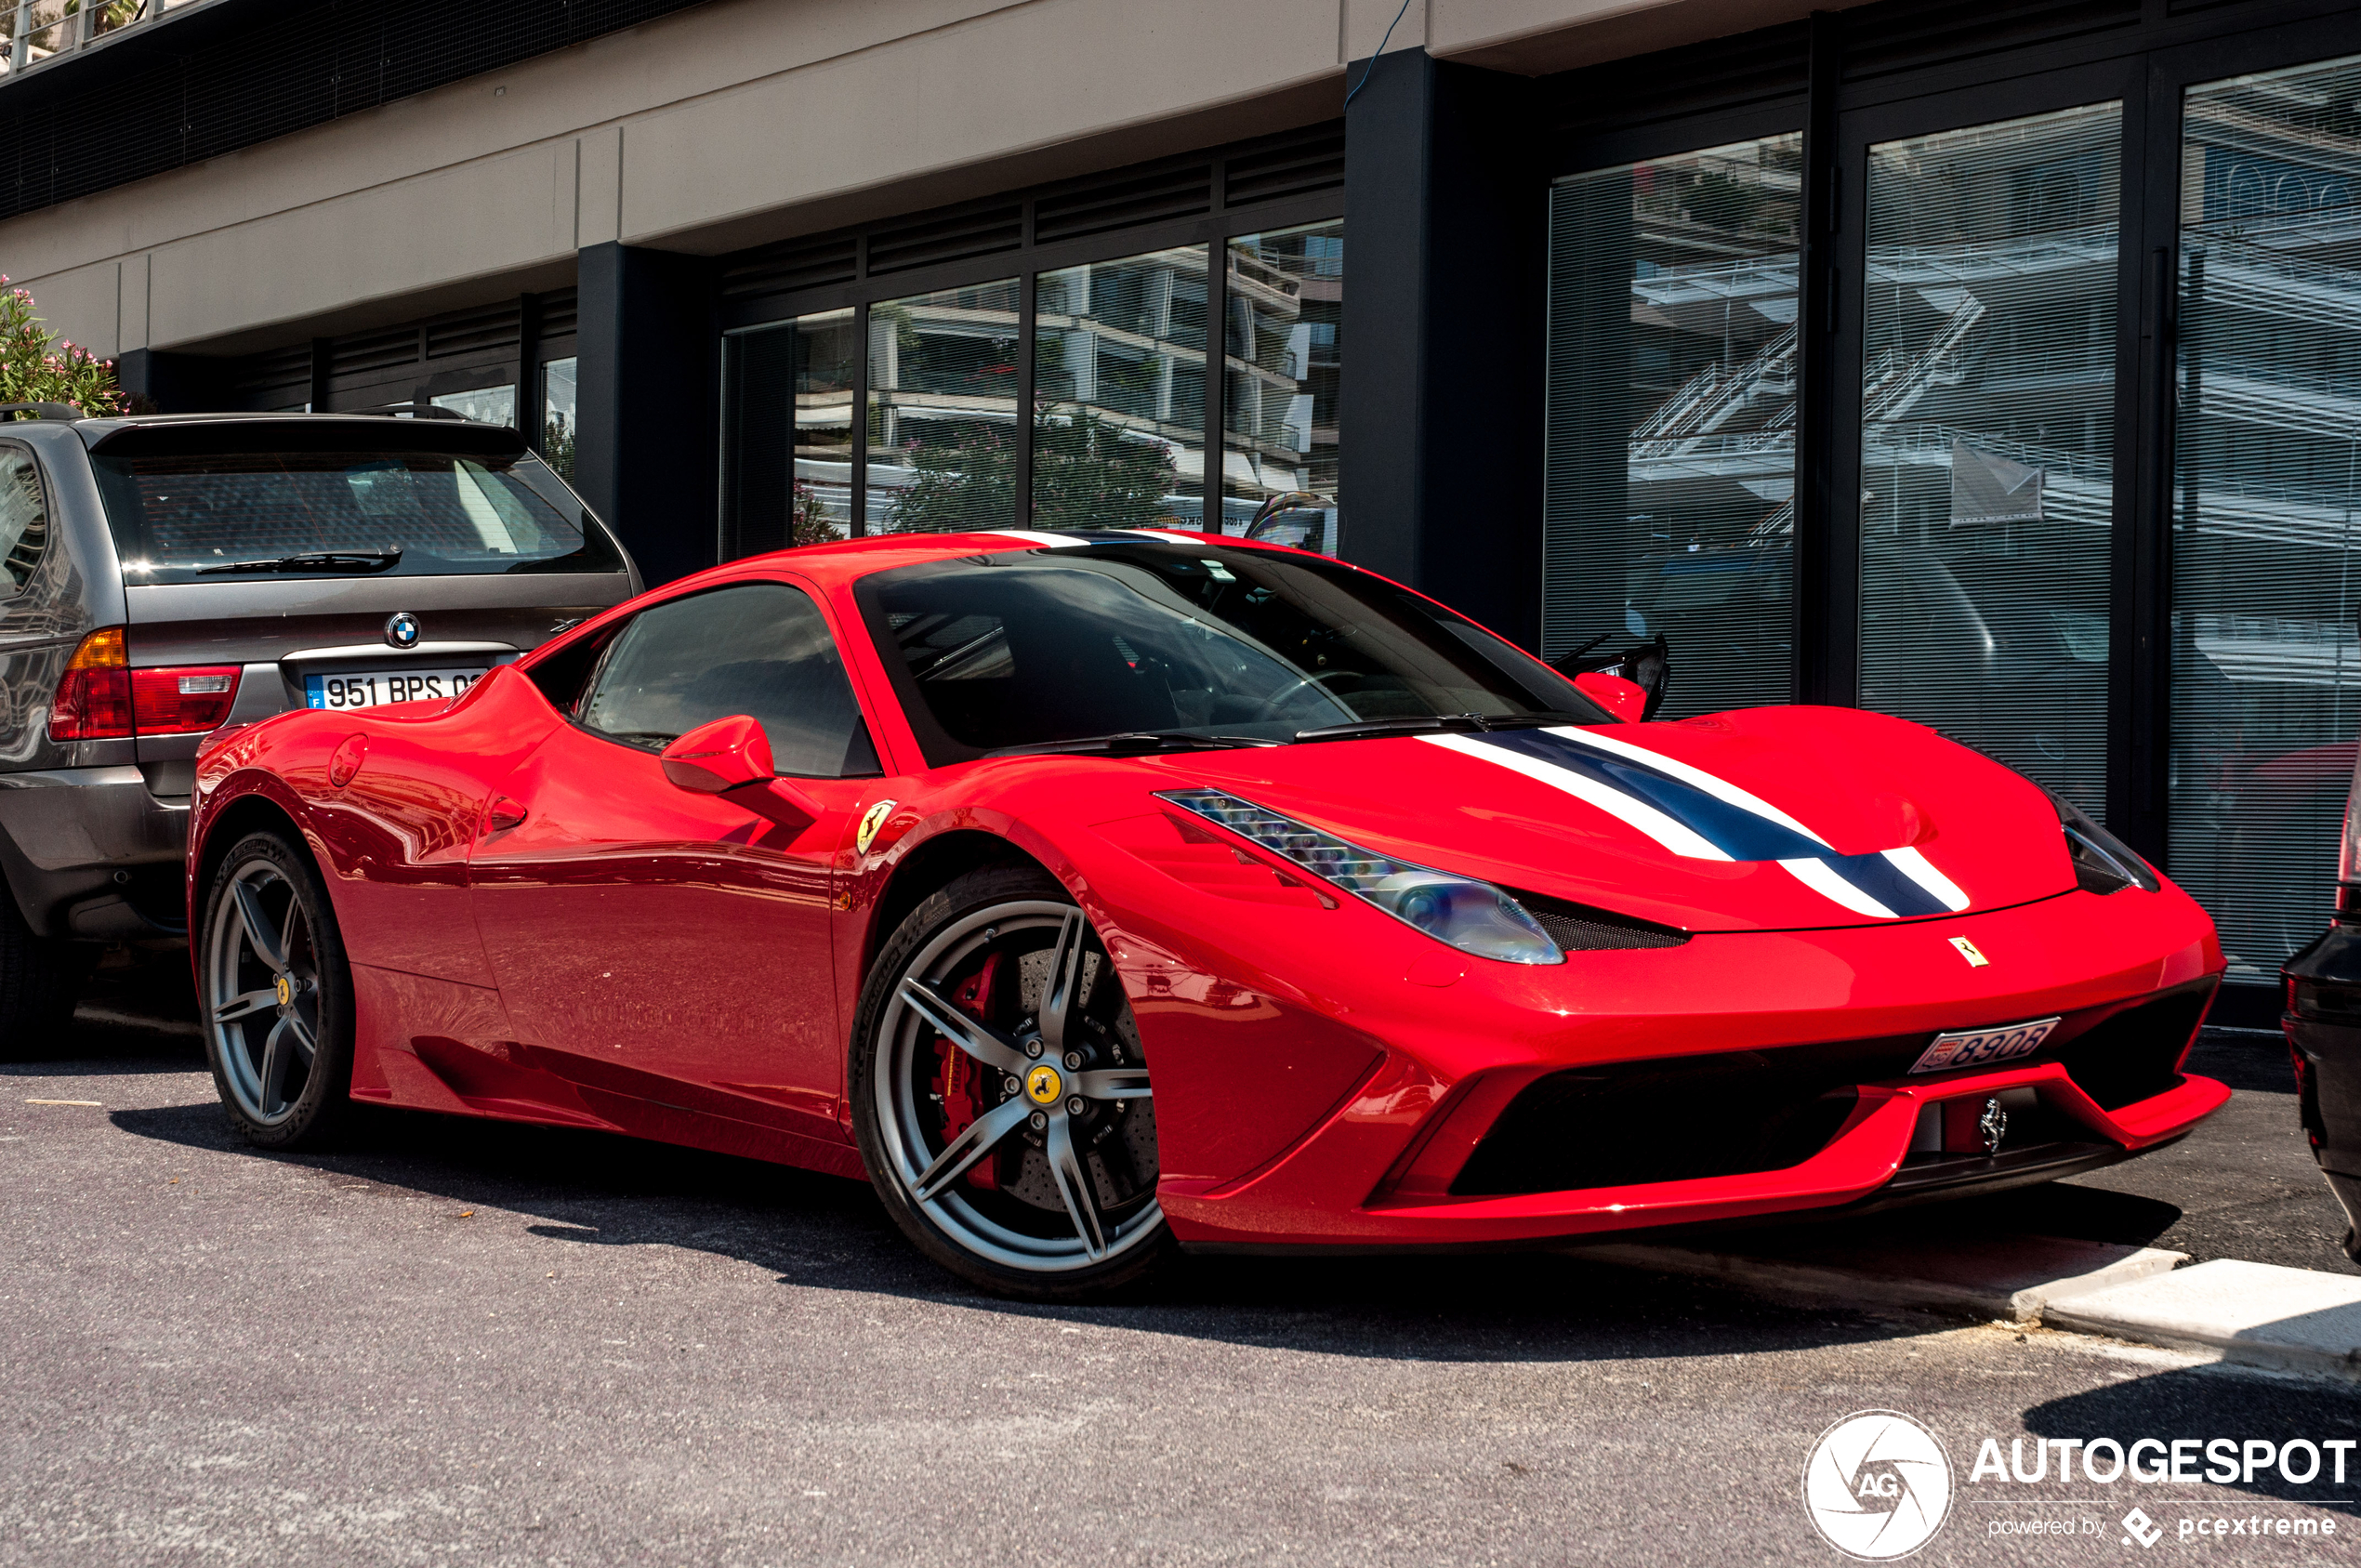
1118 431
493 405
2266 669
1987 433
1282 361
1188 641
787 430
760 649
24 516
558 415
1670 491
943 410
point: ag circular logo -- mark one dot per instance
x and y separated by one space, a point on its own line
401 629
1878 1485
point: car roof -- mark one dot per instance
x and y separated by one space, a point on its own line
93 431
844 561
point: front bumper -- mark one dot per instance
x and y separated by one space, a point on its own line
1390 1165
93 852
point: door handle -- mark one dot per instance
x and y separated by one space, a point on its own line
503 814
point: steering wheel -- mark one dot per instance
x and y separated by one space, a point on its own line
1270 708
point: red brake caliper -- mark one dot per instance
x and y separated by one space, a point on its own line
957 1077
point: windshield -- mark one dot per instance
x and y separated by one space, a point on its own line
222 517
1036 647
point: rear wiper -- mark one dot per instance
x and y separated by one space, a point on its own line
1133 742
317 560
1438 724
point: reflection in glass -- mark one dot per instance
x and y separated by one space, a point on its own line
1987 404
1283 363
493 405
942 407
558 415
2266 671
1670 500
1118 431
823 352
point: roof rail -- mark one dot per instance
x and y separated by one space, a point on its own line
43 410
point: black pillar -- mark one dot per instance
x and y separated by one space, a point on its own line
647 347
1444 337
166 383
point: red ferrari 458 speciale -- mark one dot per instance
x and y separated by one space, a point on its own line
1096 893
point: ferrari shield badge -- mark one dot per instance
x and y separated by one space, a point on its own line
872 820
1968 950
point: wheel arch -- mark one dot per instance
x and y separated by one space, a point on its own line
930 866
253 811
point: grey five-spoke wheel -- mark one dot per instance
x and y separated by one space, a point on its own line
275 995
1005 1108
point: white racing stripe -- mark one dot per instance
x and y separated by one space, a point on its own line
1822 879
1054 540
1921 870
1167 538
1673 835
1720 789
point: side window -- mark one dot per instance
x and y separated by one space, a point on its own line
759 649
25 517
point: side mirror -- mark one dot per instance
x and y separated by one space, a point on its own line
1648 666
723 755
1626 699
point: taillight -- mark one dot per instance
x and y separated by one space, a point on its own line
93 697
182 699
101 698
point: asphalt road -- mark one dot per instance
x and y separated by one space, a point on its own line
461 1343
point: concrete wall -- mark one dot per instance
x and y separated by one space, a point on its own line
731 124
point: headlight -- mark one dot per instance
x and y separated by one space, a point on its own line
1459 911
2103 864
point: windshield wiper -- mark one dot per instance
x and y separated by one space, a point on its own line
317 560
1134 743
1438 724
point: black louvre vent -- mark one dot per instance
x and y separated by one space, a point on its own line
278 369
474 333
372 350
1898 36
1723 73
803 264
1102 205
239 72
953 237
1298 166
1577 928
557 313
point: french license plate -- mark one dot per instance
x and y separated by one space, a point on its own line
374 687
1981 1048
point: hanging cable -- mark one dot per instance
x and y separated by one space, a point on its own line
1373 58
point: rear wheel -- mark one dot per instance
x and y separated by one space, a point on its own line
277 996
1000 1093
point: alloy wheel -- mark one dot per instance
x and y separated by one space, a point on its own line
262 992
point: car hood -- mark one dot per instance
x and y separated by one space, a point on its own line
1768 819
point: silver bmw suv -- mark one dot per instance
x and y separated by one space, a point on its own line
163 577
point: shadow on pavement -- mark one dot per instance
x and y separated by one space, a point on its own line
2207 1404
604 1191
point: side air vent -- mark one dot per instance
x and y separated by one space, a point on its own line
1095 206
953 237
1577 928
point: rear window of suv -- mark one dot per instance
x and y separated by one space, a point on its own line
221 504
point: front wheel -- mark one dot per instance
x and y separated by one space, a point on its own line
277 996
1000 1093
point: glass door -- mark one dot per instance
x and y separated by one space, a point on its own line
1988 397
2265 485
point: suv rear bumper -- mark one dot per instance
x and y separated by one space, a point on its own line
66 834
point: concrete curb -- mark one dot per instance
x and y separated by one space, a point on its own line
2260 1314
2256 1314
2014 1279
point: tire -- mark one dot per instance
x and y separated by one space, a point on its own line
270 975
1013 1190
39 979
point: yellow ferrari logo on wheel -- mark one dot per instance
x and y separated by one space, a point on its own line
1042 1086
284 989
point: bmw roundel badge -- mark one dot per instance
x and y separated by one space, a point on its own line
401 629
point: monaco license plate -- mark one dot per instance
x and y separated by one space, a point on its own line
1981 1048
368 689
